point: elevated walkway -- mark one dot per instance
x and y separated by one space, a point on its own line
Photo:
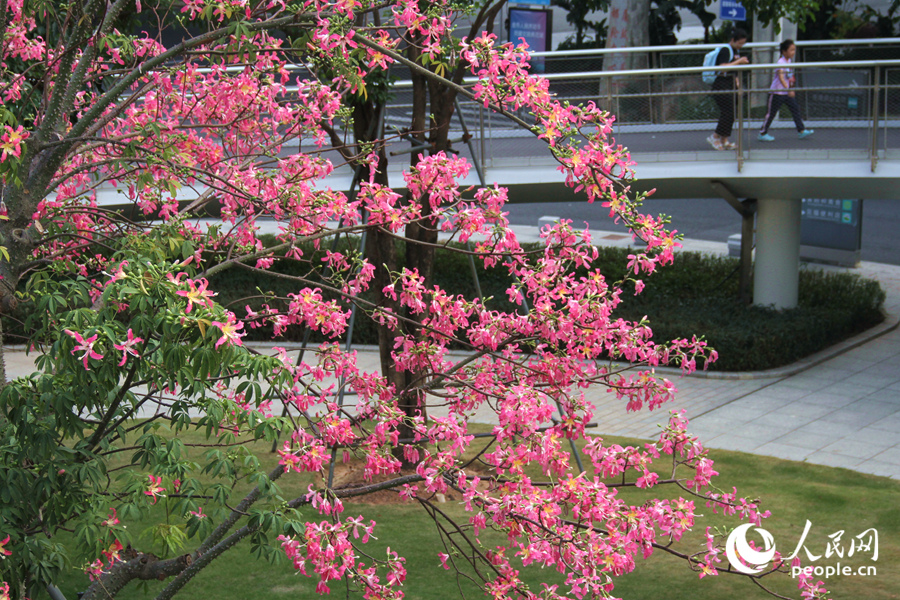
664 115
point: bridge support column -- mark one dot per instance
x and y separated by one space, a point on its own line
776 273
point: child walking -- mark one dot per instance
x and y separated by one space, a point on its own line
780 92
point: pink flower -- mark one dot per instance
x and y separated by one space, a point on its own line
87 345
111 519
93 571
112 553
3 551
127 347
230 333
198 513
11 142
155 488
197 295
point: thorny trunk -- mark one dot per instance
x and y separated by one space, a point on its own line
19 235
141 567
432 129
380 250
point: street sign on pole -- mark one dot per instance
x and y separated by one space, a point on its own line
732 10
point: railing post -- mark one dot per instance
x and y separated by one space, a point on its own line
740 132
876 92
481 136
651 87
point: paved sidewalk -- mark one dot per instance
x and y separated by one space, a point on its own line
842 412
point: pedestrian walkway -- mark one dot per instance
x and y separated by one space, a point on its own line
842 412
840 409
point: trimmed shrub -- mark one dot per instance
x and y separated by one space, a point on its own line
698 295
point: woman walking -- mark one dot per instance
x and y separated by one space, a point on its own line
780 92
723 88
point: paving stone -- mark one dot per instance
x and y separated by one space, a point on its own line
762 433
887 396
856 449
852 391
783 420
850 363
855 419
831 459
734 414
806 381
873 406
830 399
785 451
711 421
877 436
891 455
879 381
809 410
733 442
781 392
877 467
835 430
883 369
805 439
891 423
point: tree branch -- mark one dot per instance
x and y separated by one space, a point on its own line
435 78
144 567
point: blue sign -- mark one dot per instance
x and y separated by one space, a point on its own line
732 10
535 28
540 2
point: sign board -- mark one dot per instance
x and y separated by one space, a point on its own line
532 2
732 10
836 94
831 230
535 27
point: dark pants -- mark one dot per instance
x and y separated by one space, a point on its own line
775 102
725 102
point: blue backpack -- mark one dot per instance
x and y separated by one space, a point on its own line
710 61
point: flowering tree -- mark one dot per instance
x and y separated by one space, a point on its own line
135 351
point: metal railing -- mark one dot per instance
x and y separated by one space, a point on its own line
684 55
853 104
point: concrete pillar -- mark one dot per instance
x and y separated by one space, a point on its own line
776 272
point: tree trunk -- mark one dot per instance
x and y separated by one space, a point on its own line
18 235
629 27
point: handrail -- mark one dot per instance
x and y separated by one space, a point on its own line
695 47
693 70
679 47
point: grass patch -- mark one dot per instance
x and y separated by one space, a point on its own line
832 499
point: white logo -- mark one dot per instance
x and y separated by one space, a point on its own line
744 558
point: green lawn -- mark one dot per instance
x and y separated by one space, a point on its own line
832 499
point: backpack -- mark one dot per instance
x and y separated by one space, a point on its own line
710 61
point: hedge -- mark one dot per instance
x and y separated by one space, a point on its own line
695 296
